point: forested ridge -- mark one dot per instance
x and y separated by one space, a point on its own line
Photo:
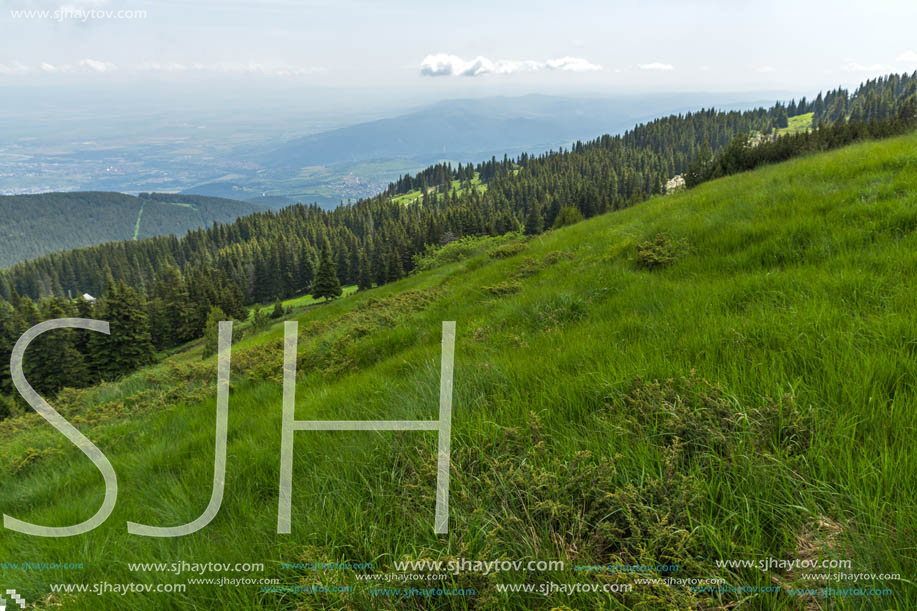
167 286
35 225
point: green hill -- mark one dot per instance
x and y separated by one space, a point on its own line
724 374
35 225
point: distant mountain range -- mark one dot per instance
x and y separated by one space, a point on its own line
359 160
34 225
467 130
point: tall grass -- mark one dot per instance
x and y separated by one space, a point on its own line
753 398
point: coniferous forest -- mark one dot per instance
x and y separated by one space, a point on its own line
160 292
35 225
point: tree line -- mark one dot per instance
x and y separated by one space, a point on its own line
744 153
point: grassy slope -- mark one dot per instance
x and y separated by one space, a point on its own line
796 299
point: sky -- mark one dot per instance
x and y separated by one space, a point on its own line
423 50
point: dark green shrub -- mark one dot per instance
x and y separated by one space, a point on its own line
568 215
504 288
661 251
507 250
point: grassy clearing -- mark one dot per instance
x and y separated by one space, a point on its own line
799 123
749 397
294 304
413 196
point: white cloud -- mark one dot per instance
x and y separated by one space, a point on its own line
858 67
444 64
96 65
45 66
572 64
907 56
766 69
656 66
14 68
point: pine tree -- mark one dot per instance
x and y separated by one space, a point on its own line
327 286
10 331
378 266
781 119
260 319
178 310
534 221
212 331
129 345
394 270
364 281
278 311
699 168
53 360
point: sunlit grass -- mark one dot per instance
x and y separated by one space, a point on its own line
796 124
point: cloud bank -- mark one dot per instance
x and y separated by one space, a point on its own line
13 68
656 66
444 64
96 65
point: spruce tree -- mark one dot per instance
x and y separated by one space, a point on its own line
394 270
52 360
10 332
260 319
326 286
129 345
364 281
378 266
534 222
781 119
212 331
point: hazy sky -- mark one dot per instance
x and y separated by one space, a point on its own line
465 47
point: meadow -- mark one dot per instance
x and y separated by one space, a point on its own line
725 373
796 124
